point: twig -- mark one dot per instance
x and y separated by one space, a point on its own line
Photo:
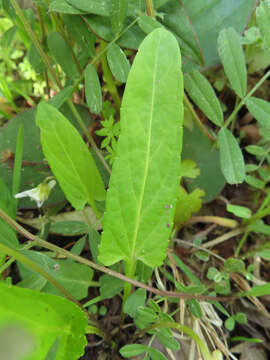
47 245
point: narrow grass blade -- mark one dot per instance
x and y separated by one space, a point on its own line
16 177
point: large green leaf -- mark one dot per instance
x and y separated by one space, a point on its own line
62 54
34 169
146 171
34 321
101 26
198 147
233 60
201 21
69 158
76 278
81 33
231 157
104 7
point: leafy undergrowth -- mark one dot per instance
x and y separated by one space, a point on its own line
134 172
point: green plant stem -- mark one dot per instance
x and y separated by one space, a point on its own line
36 42
237 101
108 75
6 265
39 242
150 8
186 330
130 273
42 25
242 102
16 177
261 213
11 260
241 243
23 94
197 119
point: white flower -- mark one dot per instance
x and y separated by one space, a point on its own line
39 193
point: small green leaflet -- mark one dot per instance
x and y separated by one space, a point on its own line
203 95
118 62
69 158
240 211
260 109
231 157
148 24
133 350
146 172
188 204
93 89
233 60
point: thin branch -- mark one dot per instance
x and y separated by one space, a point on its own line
105 270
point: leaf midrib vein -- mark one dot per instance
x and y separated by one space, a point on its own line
147 160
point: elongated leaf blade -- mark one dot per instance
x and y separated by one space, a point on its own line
231 157
8 205
118 62
200 22
145 175
118 13
59 99
93 89
63 6
233 60
132 350
263 20
98 7
259 290
260 109
62 55
203 95
69 158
